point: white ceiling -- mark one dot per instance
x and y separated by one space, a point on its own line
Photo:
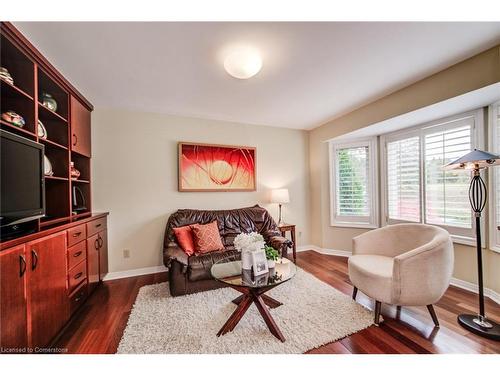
312 72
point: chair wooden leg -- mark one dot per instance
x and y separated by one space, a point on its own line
433 315
354 293
378 306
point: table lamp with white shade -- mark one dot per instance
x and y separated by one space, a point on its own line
280 196
474 161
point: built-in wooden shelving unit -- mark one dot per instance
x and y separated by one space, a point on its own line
68 127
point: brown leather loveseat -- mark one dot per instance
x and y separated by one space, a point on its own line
191 274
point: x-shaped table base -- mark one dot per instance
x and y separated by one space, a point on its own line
257 296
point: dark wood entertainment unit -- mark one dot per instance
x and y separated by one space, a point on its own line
45 276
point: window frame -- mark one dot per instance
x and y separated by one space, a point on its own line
493 134
458 235
354 221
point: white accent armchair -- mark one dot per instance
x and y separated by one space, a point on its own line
402 265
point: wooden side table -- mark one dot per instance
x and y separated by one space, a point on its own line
283 228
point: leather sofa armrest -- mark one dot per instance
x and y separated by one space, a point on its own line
279 241
276 240
174 253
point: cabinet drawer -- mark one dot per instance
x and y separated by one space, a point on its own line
96 226
78 297
77 275
76 234
76 254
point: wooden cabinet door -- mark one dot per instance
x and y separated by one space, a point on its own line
13 319
80 128
93 261
103 254
46 286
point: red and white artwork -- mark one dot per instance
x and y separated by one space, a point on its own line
205 167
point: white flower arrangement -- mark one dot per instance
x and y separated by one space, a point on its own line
249 242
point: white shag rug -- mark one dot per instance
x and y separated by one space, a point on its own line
313 314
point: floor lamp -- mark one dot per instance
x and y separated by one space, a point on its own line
475 161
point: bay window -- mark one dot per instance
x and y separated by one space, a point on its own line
414 186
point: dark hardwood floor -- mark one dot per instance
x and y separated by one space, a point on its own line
99 325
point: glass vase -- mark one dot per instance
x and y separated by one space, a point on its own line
246 260
49 102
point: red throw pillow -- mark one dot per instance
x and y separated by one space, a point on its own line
185 239
206 238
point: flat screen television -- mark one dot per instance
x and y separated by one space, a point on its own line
22 186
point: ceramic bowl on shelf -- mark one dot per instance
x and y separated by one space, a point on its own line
75 173
47 166
5 75
42 132
49 102
13 118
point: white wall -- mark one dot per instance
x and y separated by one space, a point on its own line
134 173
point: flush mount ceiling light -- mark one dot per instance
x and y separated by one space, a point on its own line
243 62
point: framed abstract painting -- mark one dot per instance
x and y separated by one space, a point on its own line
207 167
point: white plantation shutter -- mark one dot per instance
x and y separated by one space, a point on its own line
352 182
403 179
446 192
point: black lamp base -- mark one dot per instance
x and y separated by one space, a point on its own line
468 322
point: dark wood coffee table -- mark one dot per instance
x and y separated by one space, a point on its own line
252 289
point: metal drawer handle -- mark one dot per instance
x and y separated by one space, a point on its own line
75 139
22 265
78 275
96 244
98 225
77 254
34 259
77 234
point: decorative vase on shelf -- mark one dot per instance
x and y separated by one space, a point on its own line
47 166
49 102
42 132
271 263
13 118
5 75
74 173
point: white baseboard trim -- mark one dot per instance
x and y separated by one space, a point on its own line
471 287
339 253
134 272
